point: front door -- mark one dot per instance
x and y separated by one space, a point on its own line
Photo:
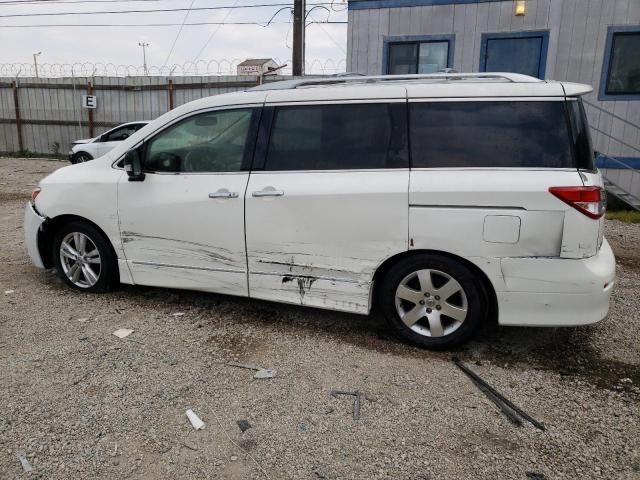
183 225
330 203
521 52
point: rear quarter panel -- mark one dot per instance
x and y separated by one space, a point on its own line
487 214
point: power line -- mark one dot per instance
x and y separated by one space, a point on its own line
215 31
56 2
155 10
195 24
179 32
329 35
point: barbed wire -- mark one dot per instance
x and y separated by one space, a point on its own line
223 66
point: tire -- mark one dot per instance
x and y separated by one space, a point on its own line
95 272
415 289
81 157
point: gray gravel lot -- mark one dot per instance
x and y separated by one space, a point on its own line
82 403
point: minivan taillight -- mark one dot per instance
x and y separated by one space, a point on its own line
588 200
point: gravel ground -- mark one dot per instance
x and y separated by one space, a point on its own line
82 403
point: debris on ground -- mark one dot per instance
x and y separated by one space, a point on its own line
123 332
261 373
536 476
178 314
244 425
190 447
195 420
504 404
356 401
83 319
26 466
264 373
9 292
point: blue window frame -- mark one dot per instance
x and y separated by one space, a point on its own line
517 52
620 78
408 54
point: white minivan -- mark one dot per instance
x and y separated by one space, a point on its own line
446 200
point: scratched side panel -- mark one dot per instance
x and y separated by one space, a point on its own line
320 243
174 235
190 279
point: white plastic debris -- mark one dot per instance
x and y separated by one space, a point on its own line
196 423
84 319
9 292
264 373
123 332
26 466
178 314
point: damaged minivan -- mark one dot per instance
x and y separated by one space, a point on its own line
444 200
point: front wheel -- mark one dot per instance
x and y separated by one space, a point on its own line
433 301
81 157
84 258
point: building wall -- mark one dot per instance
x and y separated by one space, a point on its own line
577 37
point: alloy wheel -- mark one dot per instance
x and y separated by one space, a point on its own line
80 260
431 303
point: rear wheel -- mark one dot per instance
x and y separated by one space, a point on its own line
84 258
432 301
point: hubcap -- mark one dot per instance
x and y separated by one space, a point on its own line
431 303
80 260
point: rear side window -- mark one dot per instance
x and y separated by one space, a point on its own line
497 134
582 145
338 137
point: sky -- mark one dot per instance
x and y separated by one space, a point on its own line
325 43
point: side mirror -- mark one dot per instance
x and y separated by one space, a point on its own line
133 165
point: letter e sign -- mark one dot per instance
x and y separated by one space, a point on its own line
89 101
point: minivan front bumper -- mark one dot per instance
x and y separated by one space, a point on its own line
32 223
556 292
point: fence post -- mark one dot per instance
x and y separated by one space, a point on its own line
16 105
90 92
170 94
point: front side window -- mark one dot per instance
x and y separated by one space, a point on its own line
338 137
623 73
217 141
417 57
523 134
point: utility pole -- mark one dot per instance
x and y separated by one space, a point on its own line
299 9
35 62
144 56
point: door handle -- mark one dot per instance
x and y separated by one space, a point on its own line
223 194
268 193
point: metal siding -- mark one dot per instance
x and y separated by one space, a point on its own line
469 41
372 42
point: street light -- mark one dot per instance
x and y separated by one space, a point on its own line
35 62
144 56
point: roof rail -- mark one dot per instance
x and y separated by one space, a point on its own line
356 78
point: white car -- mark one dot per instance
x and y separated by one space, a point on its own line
90 148
446 200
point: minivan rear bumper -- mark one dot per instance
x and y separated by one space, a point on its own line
556 292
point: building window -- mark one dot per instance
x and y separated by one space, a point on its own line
515 52
621 69
417 54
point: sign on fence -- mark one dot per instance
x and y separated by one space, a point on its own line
89 101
